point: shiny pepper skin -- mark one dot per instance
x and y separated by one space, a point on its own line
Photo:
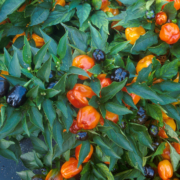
98 55
82 136
113 11
104 4
119 74
79 94
84 62
54 174
161 18
4 87
119 2
155 145
74 127
103 80
148 171
118 28
165 170
169 33
3 73
39 41
112 117
141 116
60 2
18 35
88 117
17 96
176 147
144 63
153 130
133 34
88 157
169 122
69 169
38 177
166 152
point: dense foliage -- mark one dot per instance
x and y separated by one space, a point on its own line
94 84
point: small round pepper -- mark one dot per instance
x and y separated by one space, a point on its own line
79 94
88 117
18 35
54 174
166 152
98 55
169 33
161 18
74 127
4 87
176 147
104 81
88 157
153 130
113 11
144 63
165 169
169 122
119 74
118 28
84 62
39 41
81 136
112 117
148 171
60 2
104 4
164 115
133 34
150 14
69 169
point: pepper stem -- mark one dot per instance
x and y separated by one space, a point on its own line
27 84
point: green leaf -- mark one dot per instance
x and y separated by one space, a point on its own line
8 154
143 90
38 58
159 150
38 145
7 57
144 74
159 4
76 70
171 132
1 32
83 12
58 133
25 175
33 92
145 41
25 126
128 100
128 3
62 107
160 49
99 19
44 71
97 4
170 10
14 66
84 151
3 115
4 144
62 46
117 109
36 118
97 69
154 111
61 84
110 91
168 86
27 56
15 80
52 45
118 47
149 3
96 86
49 111
39 15
9 7
48 137
175 49
51 93
74 4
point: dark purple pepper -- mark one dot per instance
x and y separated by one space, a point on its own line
153 130
17 96
98 55
81 136
119 74
4 87
51 85
148 172
38 177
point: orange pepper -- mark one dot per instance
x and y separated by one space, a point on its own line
118 28
133 34
54 174
112 117
161 18
39 41
79 94
1 107
113 11
69 168
22 8
88 157
103 80
84 62
176 4
60 2
104 4
169 122
165 169
18 35
120 3
4 72
88 117
166 152
169 33
74 127
176 147
3 22
165 116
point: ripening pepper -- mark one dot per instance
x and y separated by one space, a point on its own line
84 62
39 41
79 94
112 116
4 87
103 80
60 2
144 63
81 136
98 55
3 73
166 152
74 127
17 96
176 4
18 35
161 18
104 4
5 21
54 174
119 2
22 8
113 11
176 147
169 33
118 28
119 74
165 169
133 34
69 169
169 122
88 157
148 171
88 117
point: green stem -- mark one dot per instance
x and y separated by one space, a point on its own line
27 84
34 2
